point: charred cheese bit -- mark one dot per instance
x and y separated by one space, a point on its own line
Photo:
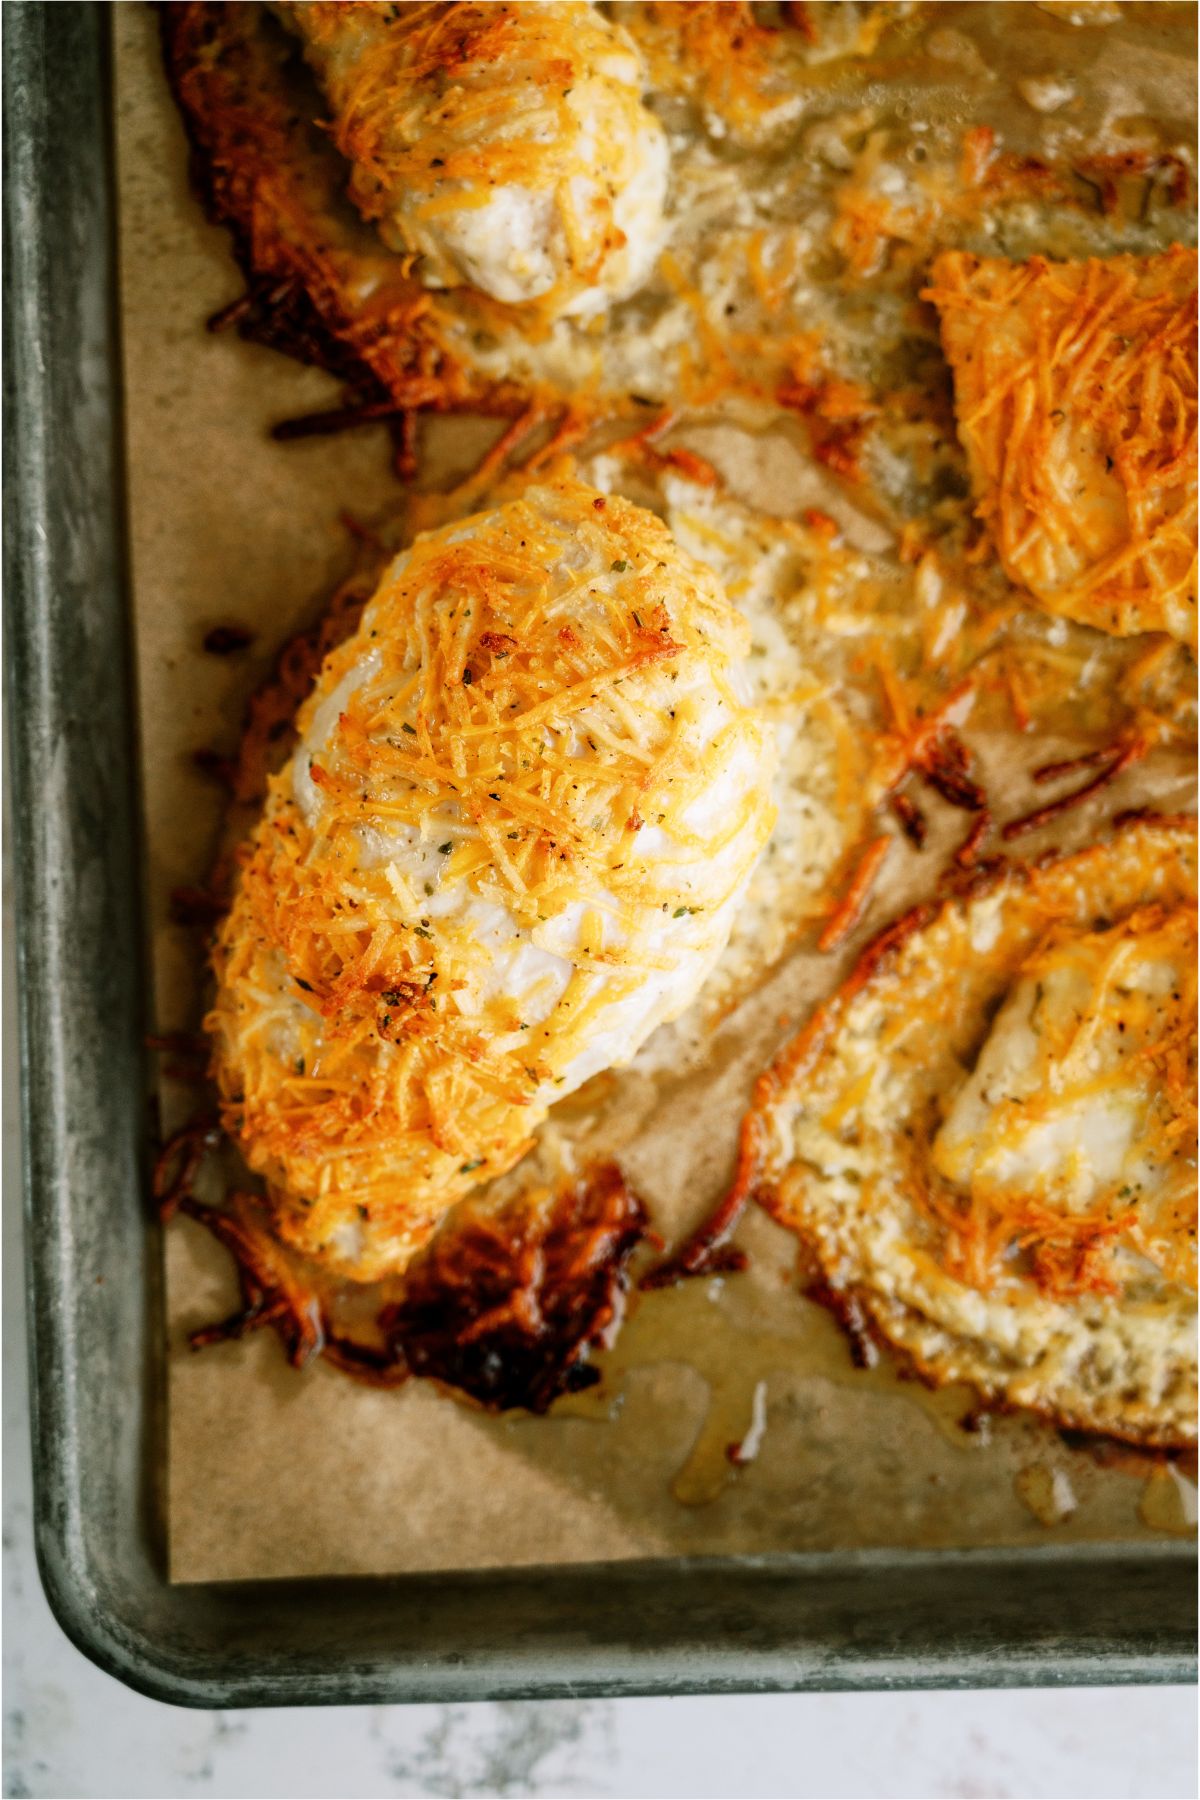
1078 1095
1075 387
528 796
505 145
988 1136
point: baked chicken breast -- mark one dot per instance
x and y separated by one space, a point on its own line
504 146
1075 385
987 1138
527 798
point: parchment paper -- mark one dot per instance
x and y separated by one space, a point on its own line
274 1473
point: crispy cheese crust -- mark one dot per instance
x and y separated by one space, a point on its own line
1003 1173
526 800
1075 387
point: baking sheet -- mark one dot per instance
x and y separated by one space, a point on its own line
274 1473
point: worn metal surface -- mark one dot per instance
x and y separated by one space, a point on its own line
965 1618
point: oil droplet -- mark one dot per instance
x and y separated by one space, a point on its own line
1047 1493
1168 1502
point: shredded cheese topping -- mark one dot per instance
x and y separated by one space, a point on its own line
527 799
506 146
1075 386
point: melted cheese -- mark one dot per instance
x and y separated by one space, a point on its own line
528 796
506 146
1076 1096
1075 386
750 80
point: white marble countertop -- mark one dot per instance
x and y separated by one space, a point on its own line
69 1729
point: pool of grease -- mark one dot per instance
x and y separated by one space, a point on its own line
743 1409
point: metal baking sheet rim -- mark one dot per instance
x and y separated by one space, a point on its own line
867 1619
